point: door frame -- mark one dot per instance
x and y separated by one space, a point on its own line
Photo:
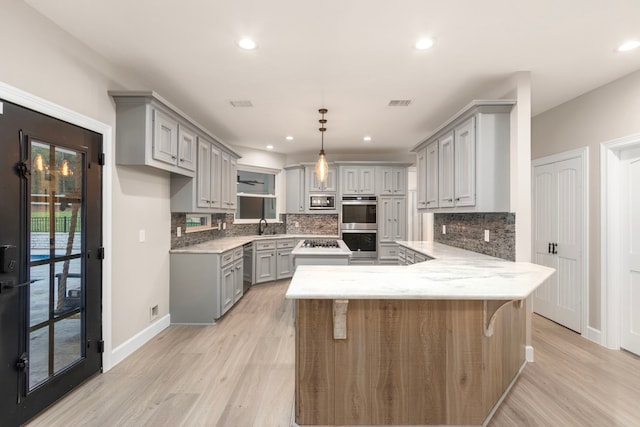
583 155
611 237
40 105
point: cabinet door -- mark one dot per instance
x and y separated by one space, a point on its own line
295 190
421 165
186 148
445 171
284 264
432 175
329 185
237 280
465 164
349 180
265 266
165 138
203 175
367 178
399 181
386 180
232 183
227 279
399 213
216 177
385 223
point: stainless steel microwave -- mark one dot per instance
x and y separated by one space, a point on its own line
322 201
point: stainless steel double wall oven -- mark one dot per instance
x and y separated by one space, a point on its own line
359 225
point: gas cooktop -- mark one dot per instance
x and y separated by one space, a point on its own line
320 243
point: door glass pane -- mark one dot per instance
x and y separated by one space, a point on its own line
68 202
67 346
40 202
39 294
38 356
67 287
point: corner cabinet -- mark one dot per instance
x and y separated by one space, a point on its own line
464 166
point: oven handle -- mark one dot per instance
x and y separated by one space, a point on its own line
352 231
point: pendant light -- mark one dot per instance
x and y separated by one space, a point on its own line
322 168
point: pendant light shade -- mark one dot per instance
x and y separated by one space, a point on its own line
322 167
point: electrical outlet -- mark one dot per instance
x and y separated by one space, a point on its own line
179 231
141 236
224 225
444 229
486 235
296 224
153 313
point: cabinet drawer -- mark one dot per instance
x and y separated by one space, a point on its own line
410 257
420 258
281 244
237 253
388 251
265 245
227 257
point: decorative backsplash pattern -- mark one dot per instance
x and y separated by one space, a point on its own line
466 231
307 224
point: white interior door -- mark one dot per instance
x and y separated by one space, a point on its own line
558 240
630 292
545 228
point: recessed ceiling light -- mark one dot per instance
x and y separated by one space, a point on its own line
366 138
628 45
269 147
247 44
289 138
424 44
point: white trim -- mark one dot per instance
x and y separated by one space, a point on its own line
127 348
27 100
594 335
610 237
583 155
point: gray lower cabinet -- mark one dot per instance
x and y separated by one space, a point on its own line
273 260
408 256
265 261
204 286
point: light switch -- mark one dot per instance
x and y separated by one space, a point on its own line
141 236
178 231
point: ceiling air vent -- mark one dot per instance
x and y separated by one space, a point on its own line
241 103
399 103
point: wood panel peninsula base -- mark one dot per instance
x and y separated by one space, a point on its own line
435 343
405 362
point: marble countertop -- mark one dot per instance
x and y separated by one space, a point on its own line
218 246
342 250
452 274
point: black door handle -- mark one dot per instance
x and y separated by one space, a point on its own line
11 285
550 247
555 246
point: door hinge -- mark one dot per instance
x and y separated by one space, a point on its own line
101 346
101 159
101 252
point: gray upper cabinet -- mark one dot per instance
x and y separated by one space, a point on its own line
152 132
358 180
315 186
393 180
295 187
464 165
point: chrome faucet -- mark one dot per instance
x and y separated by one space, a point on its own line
260 229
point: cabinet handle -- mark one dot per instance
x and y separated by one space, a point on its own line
449 200
457 199
182 160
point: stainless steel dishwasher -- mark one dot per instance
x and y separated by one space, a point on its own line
247 267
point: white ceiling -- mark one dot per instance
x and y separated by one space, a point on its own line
352 57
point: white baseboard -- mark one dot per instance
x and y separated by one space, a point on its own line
594 335
528 353
127 348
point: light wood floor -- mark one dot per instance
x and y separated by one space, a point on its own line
240 372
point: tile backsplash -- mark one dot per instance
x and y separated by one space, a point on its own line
306 224
466 231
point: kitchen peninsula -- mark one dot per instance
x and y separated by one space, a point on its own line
434 343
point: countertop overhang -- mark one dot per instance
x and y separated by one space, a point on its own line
452 274
224 244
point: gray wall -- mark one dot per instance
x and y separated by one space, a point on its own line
606 113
